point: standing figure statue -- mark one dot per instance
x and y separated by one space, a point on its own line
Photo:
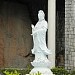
40 49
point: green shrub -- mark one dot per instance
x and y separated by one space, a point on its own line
59 71
16 71
38 73
1 71
73 72
11 72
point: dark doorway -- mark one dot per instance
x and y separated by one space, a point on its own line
60 32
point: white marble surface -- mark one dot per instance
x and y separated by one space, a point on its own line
42 70
40 50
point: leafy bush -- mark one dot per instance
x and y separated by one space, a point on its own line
15 71
38 73
11 72
18 72
56 71
59 71
73 72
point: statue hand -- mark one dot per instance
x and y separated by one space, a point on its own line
31 34
32 25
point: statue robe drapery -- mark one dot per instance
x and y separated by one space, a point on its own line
39 38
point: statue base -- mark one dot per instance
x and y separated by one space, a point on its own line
43 71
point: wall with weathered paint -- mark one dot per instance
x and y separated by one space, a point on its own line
15 38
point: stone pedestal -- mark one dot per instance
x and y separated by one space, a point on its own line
42 70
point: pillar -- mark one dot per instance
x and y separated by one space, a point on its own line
51 30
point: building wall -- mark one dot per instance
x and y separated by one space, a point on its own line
70 34
15 38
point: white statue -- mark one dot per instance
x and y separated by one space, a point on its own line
40 49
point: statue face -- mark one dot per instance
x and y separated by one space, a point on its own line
41 15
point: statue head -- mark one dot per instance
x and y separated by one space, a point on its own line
41 15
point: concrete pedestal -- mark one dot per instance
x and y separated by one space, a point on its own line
42 70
